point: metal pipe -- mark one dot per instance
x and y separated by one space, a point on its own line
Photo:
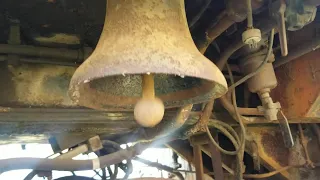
298 51
243 111
74 152
249 14
44 52
212 33
233 14
60 62
71 165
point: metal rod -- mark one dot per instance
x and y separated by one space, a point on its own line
249 14
148 86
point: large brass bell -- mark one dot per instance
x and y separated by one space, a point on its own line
144 38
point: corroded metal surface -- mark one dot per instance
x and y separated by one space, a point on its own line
35 85
274 155
160 43
299 86
270 148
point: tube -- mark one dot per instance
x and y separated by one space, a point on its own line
243 111
71 165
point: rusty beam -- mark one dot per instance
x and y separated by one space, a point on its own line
216 161
198 163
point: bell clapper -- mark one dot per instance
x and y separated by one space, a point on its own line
149 110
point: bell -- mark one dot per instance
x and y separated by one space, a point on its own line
141 38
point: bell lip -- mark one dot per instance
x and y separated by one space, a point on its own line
89 70
95 102
78 80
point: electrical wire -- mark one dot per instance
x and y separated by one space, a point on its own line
242 127
228 127
229 136
248 76
225 129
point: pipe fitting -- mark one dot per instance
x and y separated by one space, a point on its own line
269 108
262 83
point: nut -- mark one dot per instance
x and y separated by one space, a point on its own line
251 36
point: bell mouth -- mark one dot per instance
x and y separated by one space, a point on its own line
122 92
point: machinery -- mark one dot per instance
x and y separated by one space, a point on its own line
232 86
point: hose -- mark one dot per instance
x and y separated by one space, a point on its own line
71 165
